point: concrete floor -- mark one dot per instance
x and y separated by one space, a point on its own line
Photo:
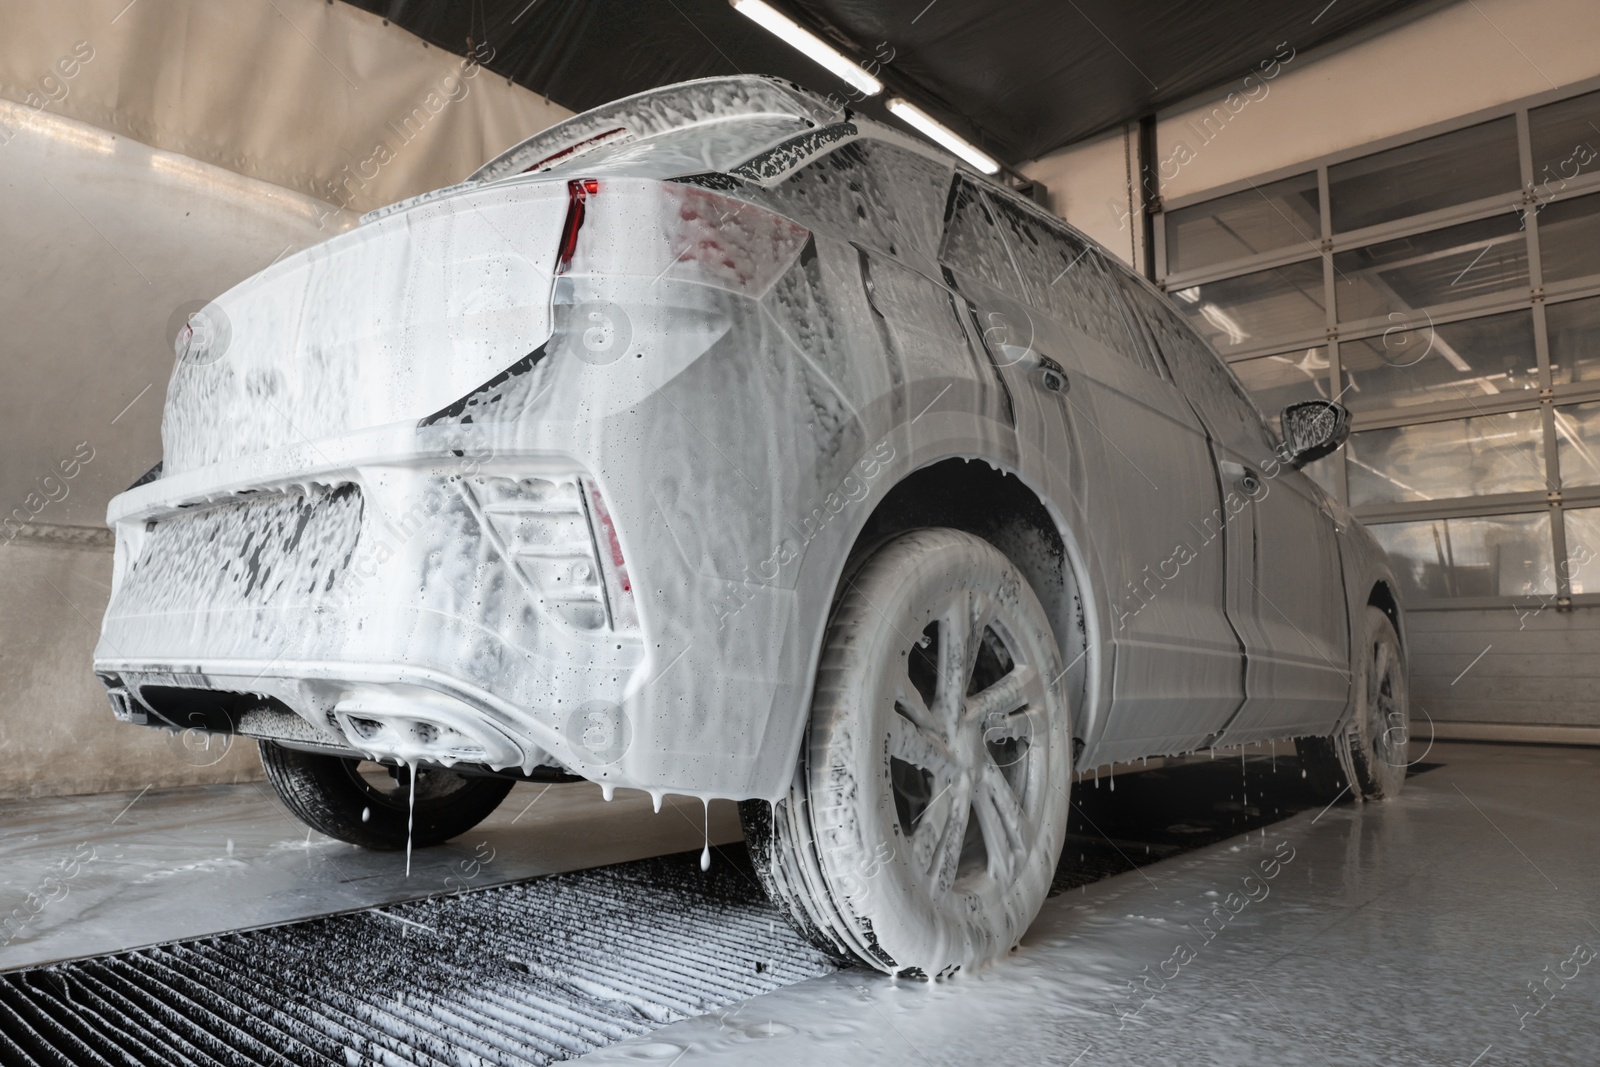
202 860
1408 932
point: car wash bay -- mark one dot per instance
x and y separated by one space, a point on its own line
1395 209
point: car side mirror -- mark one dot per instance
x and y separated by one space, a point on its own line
1313 429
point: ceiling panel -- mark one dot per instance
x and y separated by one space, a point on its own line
1020 78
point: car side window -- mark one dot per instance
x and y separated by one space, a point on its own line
880 195
972 242
1197 370
1066 278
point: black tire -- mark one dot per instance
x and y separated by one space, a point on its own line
1319 763
331 795
928 811
1371 750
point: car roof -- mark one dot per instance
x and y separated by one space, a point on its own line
705 100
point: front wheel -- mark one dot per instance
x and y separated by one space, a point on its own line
1371 751
370 804
928 812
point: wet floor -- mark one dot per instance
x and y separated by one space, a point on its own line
1456 925
1210 912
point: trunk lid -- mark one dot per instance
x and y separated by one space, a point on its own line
386 323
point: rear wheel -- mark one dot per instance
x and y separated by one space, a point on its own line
1372 750
929 808
370 804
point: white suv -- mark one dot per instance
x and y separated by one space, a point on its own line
716 442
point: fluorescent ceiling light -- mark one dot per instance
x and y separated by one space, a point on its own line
797 36
925 124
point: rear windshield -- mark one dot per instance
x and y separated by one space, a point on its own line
717 145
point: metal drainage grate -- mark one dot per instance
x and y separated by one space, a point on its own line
531 973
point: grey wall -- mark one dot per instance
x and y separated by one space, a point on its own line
105 239
1536 667
57 735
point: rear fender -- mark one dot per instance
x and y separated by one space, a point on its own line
827 550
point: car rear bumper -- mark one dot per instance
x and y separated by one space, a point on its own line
423 608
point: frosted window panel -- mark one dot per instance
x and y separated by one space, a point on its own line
1392 279
972 242
1569 239
1479 456
1195 369
1258 308
1583 549
848 190
1453 168
1566 142
1578 443
1574 339
1468 360
1507 555
1260 219
1068 280
1275 382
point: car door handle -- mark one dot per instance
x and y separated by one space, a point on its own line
1247 480
1050 375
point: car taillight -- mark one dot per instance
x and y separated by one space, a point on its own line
675 232
613 568
578 192
571 152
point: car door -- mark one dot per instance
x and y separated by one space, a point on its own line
1177 675
1285 585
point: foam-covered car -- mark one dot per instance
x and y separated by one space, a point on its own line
718 442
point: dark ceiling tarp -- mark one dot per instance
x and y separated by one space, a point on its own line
1019 77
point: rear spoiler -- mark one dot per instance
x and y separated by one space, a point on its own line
658 111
